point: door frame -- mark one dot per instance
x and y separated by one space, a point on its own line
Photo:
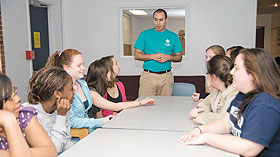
54 26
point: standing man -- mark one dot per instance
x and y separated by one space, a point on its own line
157 47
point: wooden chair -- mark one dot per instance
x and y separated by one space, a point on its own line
80 133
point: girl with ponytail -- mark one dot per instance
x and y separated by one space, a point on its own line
51 93
214 106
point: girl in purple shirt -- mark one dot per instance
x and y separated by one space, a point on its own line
19 128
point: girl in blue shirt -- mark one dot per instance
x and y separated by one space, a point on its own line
72 62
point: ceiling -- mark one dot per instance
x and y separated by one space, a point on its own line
267 6
175 13
264 7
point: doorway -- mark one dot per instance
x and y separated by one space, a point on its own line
260 37
39 35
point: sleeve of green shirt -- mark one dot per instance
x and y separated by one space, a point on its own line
177 45
140 44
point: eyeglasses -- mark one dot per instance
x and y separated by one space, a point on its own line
11 97
16 90
15 93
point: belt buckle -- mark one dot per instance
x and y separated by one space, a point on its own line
162 72
159 72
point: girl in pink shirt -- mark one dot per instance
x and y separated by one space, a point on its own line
101 79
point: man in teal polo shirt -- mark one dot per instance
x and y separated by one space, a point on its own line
157 47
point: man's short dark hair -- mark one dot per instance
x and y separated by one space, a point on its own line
160 11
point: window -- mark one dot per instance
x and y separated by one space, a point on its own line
132 24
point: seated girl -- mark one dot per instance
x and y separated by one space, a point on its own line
101 79
253 116
51 93
214 106
210 53
19 128
72 62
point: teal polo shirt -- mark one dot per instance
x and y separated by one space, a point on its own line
152 42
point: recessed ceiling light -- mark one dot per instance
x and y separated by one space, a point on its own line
275 5
138 12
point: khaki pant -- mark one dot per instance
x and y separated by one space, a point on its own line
152 84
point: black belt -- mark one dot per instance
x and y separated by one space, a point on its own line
159 72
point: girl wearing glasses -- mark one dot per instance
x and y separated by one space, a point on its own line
19 128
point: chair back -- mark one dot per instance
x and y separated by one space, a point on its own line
183 89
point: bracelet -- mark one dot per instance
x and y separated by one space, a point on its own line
200 130
139 102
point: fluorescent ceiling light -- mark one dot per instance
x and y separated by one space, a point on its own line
138 12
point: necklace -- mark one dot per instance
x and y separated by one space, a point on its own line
113 91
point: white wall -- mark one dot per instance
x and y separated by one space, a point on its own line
55 24
17 39
93 28
264 20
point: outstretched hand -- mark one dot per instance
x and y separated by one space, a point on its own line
194 140
106 119
193 137
147 101
195 96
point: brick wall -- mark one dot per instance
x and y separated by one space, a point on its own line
2 55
